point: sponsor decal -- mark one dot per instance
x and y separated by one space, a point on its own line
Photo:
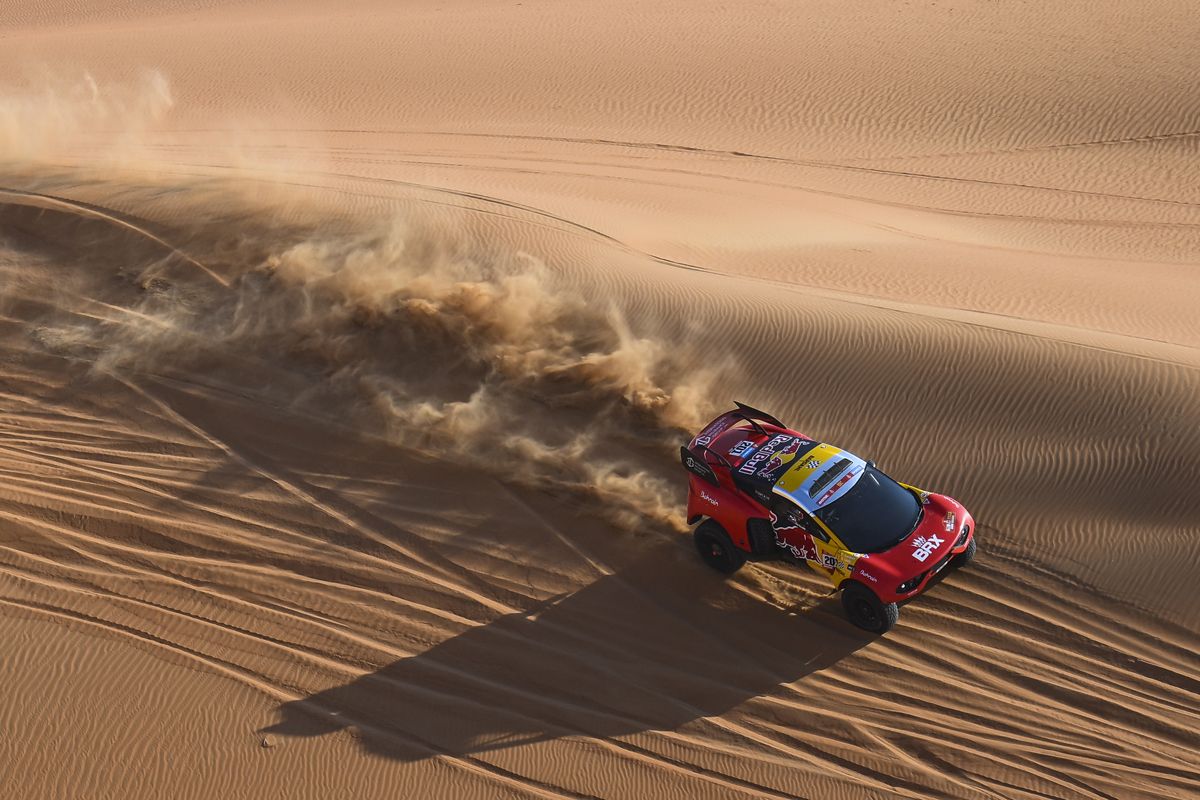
923 547
793 447
868 576
714 430
751 465
742 448
800 547
782 457
811 464
791 536
697 466
829 561
704 496
948 522
772 465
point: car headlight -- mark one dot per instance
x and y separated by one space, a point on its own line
909 584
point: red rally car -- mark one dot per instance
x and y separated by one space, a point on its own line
766 491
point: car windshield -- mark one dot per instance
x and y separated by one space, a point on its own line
875 514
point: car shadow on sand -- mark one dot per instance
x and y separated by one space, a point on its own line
648 648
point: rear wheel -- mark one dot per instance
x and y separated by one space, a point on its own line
867 611
717 549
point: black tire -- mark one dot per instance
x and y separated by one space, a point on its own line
717 549
864 608
966 556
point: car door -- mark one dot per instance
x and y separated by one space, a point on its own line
831 559
793 530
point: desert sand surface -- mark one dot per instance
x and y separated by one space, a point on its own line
346 350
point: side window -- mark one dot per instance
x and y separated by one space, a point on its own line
785 516
788 515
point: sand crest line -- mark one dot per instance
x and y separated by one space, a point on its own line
83 209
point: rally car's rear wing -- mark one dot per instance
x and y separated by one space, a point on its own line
693 455
695 462
746 412
727 420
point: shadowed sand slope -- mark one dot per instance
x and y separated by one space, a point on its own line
345 356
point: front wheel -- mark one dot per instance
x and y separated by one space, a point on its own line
717 549
966 556
867 611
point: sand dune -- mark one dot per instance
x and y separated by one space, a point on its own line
345 356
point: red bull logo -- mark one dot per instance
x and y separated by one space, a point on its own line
766 451
772 465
